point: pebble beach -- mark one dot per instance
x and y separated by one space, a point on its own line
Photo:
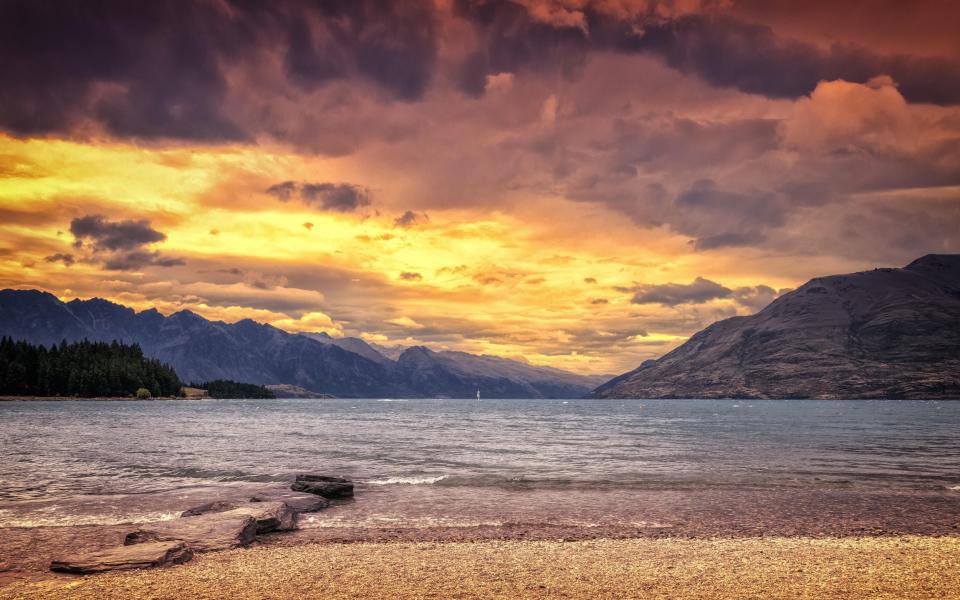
797 567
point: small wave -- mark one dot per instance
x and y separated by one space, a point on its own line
406 480
67 520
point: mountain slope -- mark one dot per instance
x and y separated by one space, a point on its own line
886 333
459 374
202 350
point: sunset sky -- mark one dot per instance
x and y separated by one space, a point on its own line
581 184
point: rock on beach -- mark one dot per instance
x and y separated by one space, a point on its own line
211 531
138 556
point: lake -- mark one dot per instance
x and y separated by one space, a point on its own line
669 466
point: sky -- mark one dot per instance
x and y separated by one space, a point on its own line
575 183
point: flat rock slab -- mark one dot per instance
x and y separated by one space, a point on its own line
139 556
299 501
323 485
211 531
217 506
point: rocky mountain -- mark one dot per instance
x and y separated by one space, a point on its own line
202 350
886 333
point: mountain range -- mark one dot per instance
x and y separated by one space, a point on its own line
885 333
247 351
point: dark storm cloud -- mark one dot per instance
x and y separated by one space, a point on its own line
338 197
390 43
510 40
753 58
724 51
189 70
158 69
120 245
140 69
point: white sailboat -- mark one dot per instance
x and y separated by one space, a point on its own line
478 393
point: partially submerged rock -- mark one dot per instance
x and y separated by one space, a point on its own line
211 531
139 556
323 485
299 501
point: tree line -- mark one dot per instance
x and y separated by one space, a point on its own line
85 369
224 388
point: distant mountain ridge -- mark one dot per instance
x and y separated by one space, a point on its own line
885 333
247 351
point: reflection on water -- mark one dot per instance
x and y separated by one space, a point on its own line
442 462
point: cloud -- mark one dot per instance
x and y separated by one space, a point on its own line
410 276
701 291
113 235
409 219
330 75
283 191
131 261
66 259
723 50
120 245
164 70
844 116
337 197
264 281
753 58
673 294
718 218
756 297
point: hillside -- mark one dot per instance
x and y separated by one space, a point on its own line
885 333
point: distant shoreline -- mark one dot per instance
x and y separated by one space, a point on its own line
79 398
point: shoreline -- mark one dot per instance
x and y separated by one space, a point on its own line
101 398
784 567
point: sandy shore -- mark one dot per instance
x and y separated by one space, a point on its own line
884 567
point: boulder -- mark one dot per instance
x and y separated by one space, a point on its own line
139 556
211 531
323 485
270 516
298 501
217 506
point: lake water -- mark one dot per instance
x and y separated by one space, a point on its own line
647 464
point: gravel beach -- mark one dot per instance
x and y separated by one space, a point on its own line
853 567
